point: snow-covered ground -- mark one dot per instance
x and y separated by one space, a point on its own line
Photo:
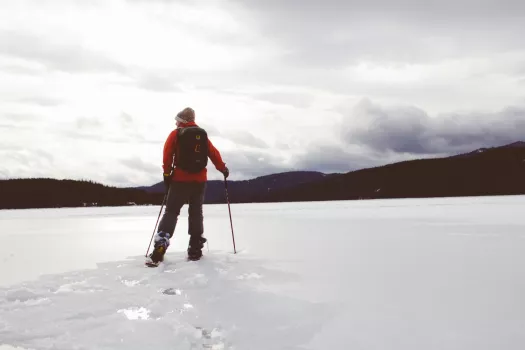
386 274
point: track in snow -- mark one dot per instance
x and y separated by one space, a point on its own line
220 302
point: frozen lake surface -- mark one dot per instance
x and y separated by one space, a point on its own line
383 274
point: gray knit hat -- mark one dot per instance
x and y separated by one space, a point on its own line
187 115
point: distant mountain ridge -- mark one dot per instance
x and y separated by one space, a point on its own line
486 171
253 189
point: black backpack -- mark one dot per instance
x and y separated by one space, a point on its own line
193 149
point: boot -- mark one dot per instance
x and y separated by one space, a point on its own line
162 242
195 247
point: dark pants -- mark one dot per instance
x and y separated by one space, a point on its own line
180 193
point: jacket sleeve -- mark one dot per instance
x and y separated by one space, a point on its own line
215 157
169 152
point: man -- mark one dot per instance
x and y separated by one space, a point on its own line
185 158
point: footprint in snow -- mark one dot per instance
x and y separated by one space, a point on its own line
199 279
209 339
130 283
172 291
249 276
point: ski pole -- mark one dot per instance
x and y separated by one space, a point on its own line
231 222
163 202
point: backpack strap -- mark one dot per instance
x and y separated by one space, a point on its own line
174 151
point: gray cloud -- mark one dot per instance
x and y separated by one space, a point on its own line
67 57
22 162
159 80
157 83
17 126
8 126
286 98
19 116
87 123
253 163
118 179
318 157
412 130
137 163
5 174
93 135
124 139
8 147
44 155
43 101
282 146
94 129
244 138
126 120
372 135
211 130
22 69
333 159
337 10
298 100
336 33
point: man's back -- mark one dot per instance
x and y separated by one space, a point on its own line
173 154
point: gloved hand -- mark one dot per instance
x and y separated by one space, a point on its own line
167 181
226 172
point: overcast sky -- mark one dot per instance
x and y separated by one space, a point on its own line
89 90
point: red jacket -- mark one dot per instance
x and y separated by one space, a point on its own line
181 175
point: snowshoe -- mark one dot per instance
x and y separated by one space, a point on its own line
150 263
156 257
